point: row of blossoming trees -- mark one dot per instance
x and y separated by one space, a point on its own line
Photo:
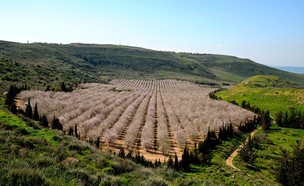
156 117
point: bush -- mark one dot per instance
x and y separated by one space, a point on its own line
24 177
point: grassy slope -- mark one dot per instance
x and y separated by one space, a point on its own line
270 152
266 92
274 94
40 64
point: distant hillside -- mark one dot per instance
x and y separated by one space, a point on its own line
41 65
299 70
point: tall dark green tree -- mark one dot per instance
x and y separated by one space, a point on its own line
36 114
230 130
13 108
122 153
185 162
70 131
266 120
43 120
56 124
291 167
29 110
176 163
279 118
285 119
11 94
63 87
98 142
293 118
247 153
76 132
170 163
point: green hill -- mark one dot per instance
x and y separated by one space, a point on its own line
42 64
267 92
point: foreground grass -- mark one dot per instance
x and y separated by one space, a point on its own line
218 173
270 151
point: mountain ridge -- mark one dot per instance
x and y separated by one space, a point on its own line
41 65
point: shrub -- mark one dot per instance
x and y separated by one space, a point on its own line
25 177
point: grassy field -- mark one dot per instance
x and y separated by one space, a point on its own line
269 152
266 92
274 94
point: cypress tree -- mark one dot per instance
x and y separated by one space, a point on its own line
243 104
122 152
13 108
286 120
98 142
170 163
220 134
36 114
185 162
247 152
279 118
70 131
130 155
176 164
293 118
11 94
63 87
43 120
56 124
76 132
230 130
29 110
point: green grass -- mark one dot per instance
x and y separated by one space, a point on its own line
266 92
264 167
274 94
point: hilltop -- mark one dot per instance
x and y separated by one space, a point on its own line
41 65
268 81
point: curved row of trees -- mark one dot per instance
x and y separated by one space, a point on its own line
291 118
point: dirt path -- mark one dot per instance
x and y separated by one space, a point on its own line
231 157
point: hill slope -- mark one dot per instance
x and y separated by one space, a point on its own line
47 64
267 92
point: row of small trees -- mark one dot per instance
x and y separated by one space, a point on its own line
12 93
264 116
138 158
55 124
201 154
10 101
291 118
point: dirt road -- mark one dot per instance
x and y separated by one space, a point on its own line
231 157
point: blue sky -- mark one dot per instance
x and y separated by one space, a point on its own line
267 31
